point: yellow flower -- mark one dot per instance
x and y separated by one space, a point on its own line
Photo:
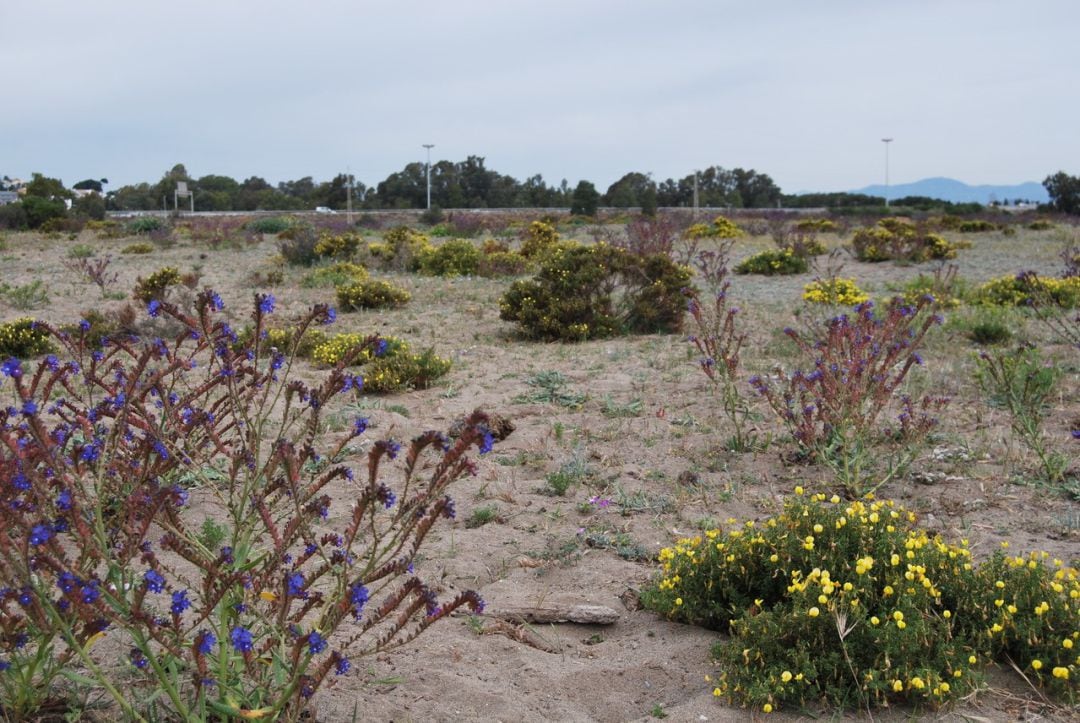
678 601
1060 672
1067 643
898 616
716 692
767 707
971 659
946 614
818 528
813 612
875 620
798 489
1036 664
786 676
897 686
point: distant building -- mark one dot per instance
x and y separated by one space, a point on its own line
7 197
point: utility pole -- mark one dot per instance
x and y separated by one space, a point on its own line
348 200
428 146
886 141
695 194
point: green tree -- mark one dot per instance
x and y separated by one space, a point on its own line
1064 192
48 188
629 190
586 199
90 185
92 205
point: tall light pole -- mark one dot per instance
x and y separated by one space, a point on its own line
348 199
428 146
886 141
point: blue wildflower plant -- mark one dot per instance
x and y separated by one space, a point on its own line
112 457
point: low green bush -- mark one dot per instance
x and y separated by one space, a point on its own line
338 246
23 339
339 274
502 263
456 257
976 226
146 225
138 248
898 239
157 284
269 225
591 292
773 262
851 603
371 294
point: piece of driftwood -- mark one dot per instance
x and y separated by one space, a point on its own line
582 614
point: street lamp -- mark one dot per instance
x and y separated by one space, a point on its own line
428 146
886 141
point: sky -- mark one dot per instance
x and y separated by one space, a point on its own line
984 91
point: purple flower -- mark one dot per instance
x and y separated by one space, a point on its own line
205 642
153 308
90 592
4 665
216 302
180 603
241 639
266 303
138 659
67 582
295 585
360 425
29 408
358 597
380 347
316 643
20 482
487 442
154 581
40 534
84 325
342 665
52 362
11 368
330 317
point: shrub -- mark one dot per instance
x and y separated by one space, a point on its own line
156 285
1026 288
1041 225
721 228
836 291
400 249
297 244
138 248
33 295
944 285
502 263
23 339
105 229
432 216
591 292
989 328
81 251
816 225
976 226
146 224
540 237
249 630
388 366
339 274
900 240
853 604
371 294
773 262
269 225
96 271
341 246
456 257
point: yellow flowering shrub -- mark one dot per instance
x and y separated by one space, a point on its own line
816 225
400 249
1026 287
371 294
901 240
386 364
343 272
141 247
339 246
157 284
773 262
23 339
841 292
721 228
854 604
538 239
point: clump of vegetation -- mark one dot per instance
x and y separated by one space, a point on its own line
976 225
23 339
834 291
105 229
539 238
944 285
456 257
502 263
138 248
297 244
156 285
387 364
988 327
898 239
857 371
720 228
400 249
146 225
773 262
591 292
1026 288
271 225
816 225
1041 225
340 274
371 294
338 246
33 295
853 604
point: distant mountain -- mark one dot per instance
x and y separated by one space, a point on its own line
949 189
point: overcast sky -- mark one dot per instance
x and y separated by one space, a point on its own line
981 90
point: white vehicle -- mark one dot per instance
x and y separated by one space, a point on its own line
323 209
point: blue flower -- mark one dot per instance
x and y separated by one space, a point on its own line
84 325
20 482
138 659
487 442
153 308
90 592
358 597
266 303
330 317
205 642
180 603
40 534
154 581
380 347
11 368
4 665
341 667
316 643
29 408
1076 434
360 425
52 362
295 585
67 582
241 639
216 302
